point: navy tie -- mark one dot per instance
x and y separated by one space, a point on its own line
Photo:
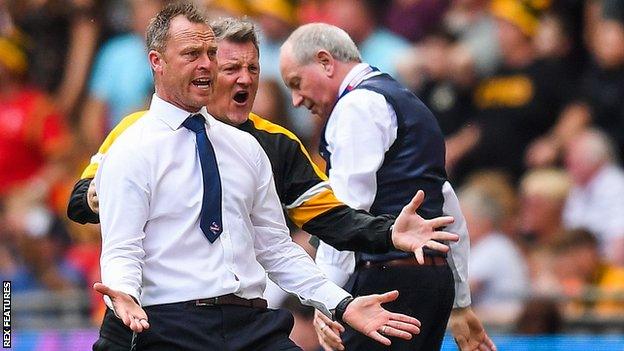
210 217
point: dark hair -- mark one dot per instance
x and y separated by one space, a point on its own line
158 28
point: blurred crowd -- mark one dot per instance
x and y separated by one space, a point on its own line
528 93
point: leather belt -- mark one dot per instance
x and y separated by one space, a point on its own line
408 261
230 299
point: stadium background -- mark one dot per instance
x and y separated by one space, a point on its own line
529 94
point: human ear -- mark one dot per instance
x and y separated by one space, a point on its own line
156 60
326 60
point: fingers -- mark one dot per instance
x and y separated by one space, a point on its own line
332 324
437 246
440 222
417 200
375 335
406 319
420 256
446 236
462 343
490 344
400 330
103 289
328 332
389 296
331 338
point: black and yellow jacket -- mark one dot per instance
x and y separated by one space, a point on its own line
302 188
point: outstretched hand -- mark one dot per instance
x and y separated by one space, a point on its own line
411 232
125 308
366 315
468 331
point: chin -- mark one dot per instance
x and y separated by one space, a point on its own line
238 118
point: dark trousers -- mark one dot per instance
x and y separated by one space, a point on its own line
183 326
425 292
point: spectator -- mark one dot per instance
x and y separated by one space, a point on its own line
378 46
600 101
594 285
520 102
595 201
540 316
62 37
497 271
475 27
121 80
277 19
543 193
542 196
414 19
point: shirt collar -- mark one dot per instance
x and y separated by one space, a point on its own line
355 76
172 115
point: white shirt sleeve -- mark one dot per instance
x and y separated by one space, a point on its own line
360 131
458 255
287 263
123 189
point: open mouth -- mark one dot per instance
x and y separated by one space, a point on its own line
241 97
202 83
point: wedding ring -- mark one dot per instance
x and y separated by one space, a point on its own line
383 329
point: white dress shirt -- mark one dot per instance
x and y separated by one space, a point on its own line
497 264
361 129
599 207
150 190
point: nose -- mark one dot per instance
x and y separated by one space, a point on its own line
205 62
244 78
297 99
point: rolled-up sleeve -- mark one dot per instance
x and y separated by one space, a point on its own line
459 254
123 190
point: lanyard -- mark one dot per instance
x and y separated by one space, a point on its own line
357 79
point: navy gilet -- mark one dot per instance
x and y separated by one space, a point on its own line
415 161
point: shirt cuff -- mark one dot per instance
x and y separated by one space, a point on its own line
128 289
327 297
462 294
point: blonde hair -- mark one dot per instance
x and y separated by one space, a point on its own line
548 182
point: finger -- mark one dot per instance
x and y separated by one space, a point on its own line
442 235
490 343
483 347
404 327
404 318
389 296
125 317
134 326
420 256
437 246
440 222
144 323
462 343
389 331
375 335
324 318
104 290
336 326
331 338
417 200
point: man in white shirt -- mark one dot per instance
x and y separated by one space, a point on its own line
380 143
596 200
195 262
